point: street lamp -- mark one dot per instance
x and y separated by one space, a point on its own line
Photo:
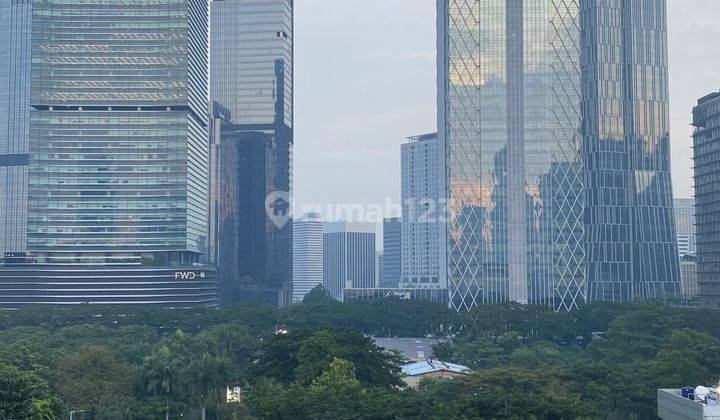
72 413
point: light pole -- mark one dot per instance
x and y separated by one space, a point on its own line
72 413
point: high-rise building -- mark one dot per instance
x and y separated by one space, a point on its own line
307 255
348 257
509 125
251 75
117 155
15 24
630 228
118 138
422 212
392 253
688 277
706 157
685 225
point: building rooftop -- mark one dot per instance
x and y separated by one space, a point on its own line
410 348
673 405
432 365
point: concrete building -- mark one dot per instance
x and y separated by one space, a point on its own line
688 276
422 211
348 257
672 405
392 252
307 255
706 142
413 349
685 224
251 75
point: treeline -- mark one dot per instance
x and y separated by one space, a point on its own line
602 361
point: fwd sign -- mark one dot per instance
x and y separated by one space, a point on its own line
185 275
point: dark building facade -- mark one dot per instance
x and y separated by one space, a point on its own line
629 222
392 253
255 235
706 142
44 284
251 70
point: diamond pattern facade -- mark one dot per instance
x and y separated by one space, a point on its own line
509 117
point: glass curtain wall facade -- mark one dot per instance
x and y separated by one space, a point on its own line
118 139
706 157
630 227
15 24
509 119
251 75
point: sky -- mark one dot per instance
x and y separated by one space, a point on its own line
365 80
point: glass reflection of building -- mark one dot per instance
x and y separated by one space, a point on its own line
118 133
251 44
509 117
630 228
15 24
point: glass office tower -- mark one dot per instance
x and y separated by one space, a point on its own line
118 150
15 24
630 228
251 44
509 120
706 159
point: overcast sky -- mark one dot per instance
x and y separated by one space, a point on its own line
365 80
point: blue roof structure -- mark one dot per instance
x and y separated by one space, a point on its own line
432 365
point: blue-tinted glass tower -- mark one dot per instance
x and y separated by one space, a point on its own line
15 24
118 140
251 43
509 122
629 223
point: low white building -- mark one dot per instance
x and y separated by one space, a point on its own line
672 405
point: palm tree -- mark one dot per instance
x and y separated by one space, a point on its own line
208 374
159 372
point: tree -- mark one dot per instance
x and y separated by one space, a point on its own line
208 374
24 395
159 372
92 375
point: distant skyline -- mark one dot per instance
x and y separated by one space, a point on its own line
365 80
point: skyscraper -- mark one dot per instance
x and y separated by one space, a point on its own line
348 257
15 24
685 224
509 126
251 74
631 243
422 208
307 255
392 253
706 159
117 155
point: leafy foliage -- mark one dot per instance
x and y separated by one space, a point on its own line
529 362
